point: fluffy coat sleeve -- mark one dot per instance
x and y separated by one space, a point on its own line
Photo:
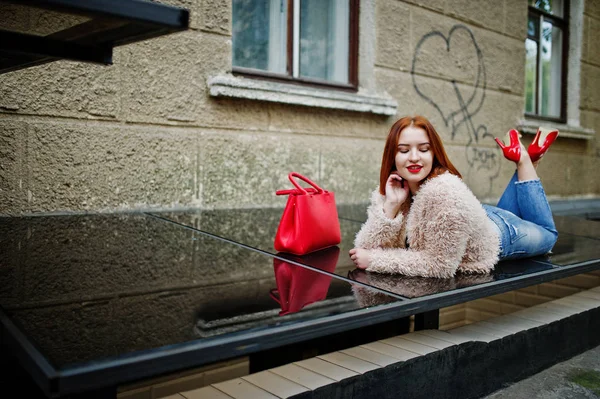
379 230
438 226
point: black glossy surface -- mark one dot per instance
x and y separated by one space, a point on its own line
109 299
578 226
243 226
85 288
571 249
415 287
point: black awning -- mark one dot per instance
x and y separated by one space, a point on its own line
34 32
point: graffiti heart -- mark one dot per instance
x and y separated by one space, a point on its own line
457 91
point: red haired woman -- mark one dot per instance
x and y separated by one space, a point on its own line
424 221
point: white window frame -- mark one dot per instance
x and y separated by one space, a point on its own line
368 97
572 128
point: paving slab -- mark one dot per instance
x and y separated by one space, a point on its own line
576 378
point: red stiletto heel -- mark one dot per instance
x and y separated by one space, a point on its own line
544 136
512 151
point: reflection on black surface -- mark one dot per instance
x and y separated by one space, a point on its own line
415 287
83 288
257 228
300 294
298 287
571 249
511 268
252 227
259 311
578 226
325 260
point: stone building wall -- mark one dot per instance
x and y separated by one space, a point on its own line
590 79
145 133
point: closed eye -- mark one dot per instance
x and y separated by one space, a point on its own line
405 150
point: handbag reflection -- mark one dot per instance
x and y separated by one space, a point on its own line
299 286
309 221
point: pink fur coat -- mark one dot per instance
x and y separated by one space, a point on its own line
447 230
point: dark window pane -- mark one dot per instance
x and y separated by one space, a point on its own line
324 39
551 70
531 49
533 24
259 34
554 7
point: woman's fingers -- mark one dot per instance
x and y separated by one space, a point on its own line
394 176
353 256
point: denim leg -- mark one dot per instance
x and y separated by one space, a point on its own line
520 238
508 201
533 204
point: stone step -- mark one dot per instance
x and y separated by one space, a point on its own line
299 379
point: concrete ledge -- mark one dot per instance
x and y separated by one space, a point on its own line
530 126
263 90
466 362
576 207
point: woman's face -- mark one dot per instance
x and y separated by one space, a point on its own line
414 158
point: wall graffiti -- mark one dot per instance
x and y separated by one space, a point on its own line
459 95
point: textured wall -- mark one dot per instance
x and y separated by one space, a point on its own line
145 133
590 82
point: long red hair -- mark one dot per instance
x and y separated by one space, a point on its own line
441 162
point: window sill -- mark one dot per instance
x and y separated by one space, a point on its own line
262 90
531 125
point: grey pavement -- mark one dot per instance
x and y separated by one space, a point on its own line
576 378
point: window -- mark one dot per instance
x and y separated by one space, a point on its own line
545 64
309 41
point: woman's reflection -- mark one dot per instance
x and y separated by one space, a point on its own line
409 287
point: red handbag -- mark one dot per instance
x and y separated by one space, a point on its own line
309 221
298 286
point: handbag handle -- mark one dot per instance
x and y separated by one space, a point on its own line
307 180
294 191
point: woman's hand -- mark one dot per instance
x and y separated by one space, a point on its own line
396 192
360 257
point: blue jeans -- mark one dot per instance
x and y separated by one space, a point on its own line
524 219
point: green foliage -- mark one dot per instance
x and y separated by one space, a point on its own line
589 379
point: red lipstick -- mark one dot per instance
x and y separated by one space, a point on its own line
414 168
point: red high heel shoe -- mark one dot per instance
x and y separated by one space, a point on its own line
544 136
512 151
